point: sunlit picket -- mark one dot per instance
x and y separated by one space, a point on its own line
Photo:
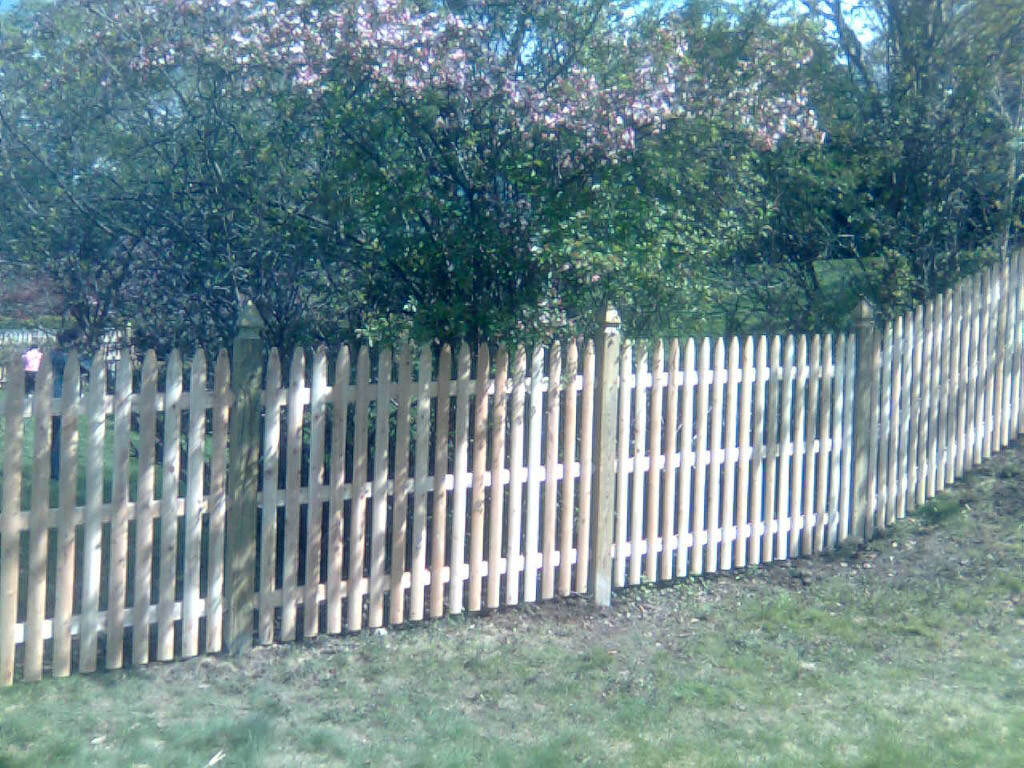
401 484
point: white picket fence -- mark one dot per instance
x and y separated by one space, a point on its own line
402 484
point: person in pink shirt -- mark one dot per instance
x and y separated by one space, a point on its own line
32 357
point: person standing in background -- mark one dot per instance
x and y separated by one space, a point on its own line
32 358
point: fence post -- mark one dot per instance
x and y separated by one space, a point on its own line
866 374
11 516
243 471
606 422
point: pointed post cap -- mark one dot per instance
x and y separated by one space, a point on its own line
249 321
863 314
611 317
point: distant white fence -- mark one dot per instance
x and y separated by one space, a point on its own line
25 337
21 339
170 511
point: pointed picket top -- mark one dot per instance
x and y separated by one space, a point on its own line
222 369
863 313
611 318
249 321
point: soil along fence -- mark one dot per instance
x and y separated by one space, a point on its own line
159 511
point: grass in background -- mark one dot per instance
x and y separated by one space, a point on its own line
907 652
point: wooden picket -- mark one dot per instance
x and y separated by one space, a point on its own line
827 444
962 345
432 482
773 382
93 531
625 465
700 473
379 491
640 462
534 469
746 457
418 575
459 485
586 477
687 463
357 536
272 404
66 526
478 490
758 525
216 506
12 521
730 455
35 603
569 470
796 486
669 541
838 447
517 472
193 498
787 449
292 489
943 466
145 502
499 480
652 494
885 429
315 492
804 545
400 507
902 381
715 459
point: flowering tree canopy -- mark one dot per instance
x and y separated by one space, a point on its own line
364 168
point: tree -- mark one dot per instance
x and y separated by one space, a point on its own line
377 169
156 195
930 117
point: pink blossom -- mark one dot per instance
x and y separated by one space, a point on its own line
420 58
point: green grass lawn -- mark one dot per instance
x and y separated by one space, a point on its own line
909 652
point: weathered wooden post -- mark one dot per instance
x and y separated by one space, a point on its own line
11 516
865 383
243 471
605 434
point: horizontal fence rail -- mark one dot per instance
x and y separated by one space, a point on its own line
388 486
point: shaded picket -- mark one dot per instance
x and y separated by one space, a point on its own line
401 484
